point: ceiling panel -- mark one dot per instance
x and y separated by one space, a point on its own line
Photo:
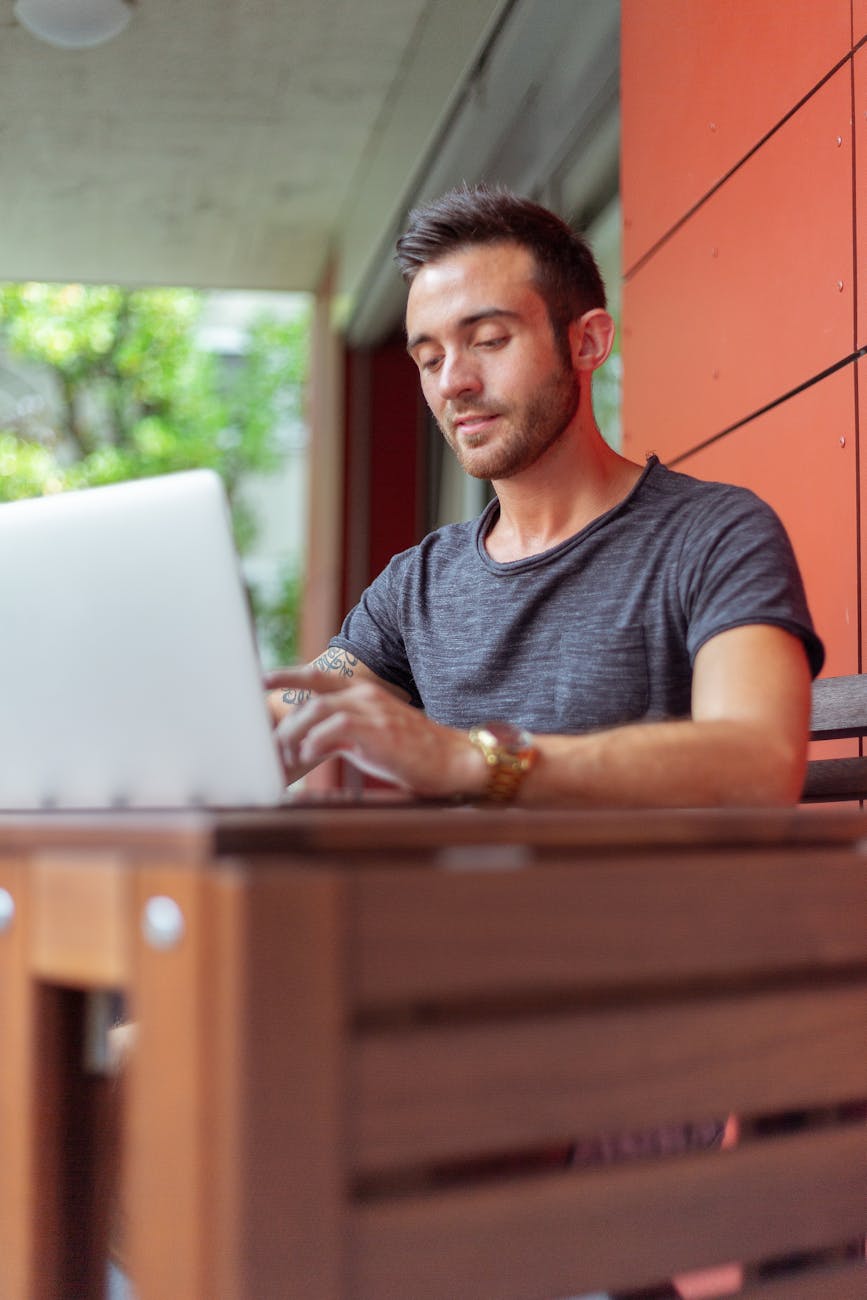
217 142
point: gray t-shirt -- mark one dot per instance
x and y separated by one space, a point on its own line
602 629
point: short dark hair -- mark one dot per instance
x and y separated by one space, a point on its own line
567 276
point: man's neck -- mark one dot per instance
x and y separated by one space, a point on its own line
576 481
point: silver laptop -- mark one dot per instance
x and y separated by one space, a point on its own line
128 669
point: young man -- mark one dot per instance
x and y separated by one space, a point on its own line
605 633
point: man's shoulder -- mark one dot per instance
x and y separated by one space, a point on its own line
673 490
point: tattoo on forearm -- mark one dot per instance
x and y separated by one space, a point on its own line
333 661
336 661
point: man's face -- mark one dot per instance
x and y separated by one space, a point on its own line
491 372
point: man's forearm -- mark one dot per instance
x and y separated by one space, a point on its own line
682 763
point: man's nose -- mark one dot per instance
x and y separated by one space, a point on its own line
458 375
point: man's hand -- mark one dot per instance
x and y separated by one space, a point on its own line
361 720
282 700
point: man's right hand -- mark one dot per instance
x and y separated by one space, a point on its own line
372 725
284 696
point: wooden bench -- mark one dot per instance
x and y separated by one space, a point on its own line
839 713
364 1054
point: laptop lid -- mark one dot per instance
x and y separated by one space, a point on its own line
128 670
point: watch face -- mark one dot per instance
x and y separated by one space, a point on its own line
506 734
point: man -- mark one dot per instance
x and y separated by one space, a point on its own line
605 633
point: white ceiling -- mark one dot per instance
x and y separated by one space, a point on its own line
222 143
251 143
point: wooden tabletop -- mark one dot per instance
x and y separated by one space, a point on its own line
340 826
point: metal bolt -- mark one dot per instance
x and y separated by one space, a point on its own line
839 141
712 126
163 922
839 286
7 910
842 442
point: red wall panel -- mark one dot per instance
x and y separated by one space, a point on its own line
382 515
753 294
860 71
395 447
793 457
702 82
859 20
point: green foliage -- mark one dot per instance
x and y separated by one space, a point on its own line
277 621
134 395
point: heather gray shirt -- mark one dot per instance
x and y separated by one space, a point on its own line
602 629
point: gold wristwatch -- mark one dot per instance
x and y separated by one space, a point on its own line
509 753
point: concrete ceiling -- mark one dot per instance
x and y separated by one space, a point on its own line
251 143
221 143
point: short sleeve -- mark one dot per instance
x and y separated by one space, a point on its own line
372 630
738 568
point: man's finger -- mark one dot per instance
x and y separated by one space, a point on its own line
306 679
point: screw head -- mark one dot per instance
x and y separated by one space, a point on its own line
842 442
7 910
163 922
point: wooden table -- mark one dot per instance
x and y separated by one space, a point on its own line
365 1034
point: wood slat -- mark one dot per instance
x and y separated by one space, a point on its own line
166 1126
420 936
401 834
18 1211
438 1093
78 934
835 779
614 1228
839 707
290 1077
835 1282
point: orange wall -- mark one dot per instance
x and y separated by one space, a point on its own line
744 187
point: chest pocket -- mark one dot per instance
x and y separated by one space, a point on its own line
602 677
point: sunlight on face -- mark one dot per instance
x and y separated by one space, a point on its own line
492 373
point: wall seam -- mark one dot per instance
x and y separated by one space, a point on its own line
859 558
699 203
769 406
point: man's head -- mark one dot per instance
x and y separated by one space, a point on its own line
565 273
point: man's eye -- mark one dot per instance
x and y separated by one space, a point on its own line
430 364
497 342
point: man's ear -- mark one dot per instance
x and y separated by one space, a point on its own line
591 338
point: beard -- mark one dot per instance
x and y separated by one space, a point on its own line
532 428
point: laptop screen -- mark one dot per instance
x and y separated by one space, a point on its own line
128 670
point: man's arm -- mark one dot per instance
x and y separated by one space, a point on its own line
745 743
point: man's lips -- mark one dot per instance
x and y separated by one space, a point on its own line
474 422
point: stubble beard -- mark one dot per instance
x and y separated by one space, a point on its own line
534 428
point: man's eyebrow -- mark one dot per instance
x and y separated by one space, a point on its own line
486 313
